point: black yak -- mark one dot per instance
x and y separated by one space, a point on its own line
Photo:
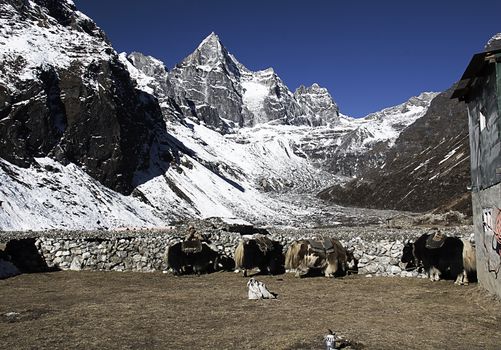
194 255
446 256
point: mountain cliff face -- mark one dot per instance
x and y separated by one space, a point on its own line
317 102
91 138
428 167
66 95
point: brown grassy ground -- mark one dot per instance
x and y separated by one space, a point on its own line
112 310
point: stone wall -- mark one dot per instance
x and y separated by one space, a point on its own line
377 249
146 253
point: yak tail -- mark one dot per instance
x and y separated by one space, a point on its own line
239 255
469 258
292 258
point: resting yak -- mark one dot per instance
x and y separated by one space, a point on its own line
327 255
261 252
194 255
440 255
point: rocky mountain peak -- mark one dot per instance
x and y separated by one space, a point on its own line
318 103
149 65
494 43
149 73
212 40
211 54
212 86
404 112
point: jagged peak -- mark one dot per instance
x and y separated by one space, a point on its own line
212 44
135 56
422 100
265 73
314 88
149 65
210 54
211 40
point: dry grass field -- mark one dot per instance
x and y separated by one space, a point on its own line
112 310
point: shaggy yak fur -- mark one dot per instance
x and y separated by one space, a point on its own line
261 252
327 255
206 260
455 259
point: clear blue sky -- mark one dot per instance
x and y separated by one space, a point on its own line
369 54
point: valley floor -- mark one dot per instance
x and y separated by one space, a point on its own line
112 310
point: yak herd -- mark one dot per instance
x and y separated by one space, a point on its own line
438 255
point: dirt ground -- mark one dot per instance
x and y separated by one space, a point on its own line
113 310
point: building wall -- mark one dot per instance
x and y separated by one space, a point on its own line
487 226
485 146
485 131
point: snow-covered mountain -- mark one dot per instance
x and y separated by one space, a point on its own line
211 85
427 168
93 139
64 94
351 146
318 104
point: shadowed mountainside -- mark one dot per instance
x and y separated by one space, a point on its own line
428 168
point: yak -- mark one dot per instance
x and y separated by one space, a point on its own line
442 256
261 252
196 256
326 255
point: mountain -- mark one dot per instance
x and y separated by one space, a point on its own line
212 86
428 168
64 94
94 139
317 102
353 146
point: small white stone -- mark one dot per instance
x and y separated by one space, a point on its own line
76 264
395 270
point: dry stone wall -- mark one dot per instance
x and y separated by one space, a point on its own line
377 249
